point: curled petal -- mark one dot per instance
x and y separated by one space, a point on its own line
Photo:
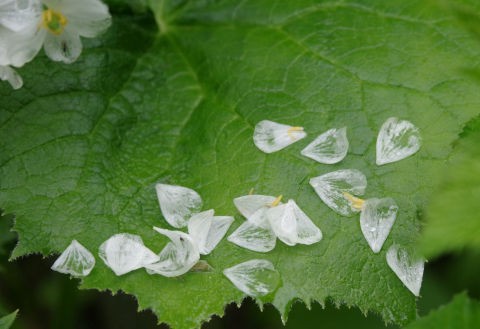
178 256
65 47
208 230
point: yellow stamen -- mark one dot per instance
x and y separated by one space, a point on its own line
293 129
276 201
251 191
53 21
357 203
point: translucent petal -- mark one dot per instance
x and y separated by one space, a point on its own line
10 75
376 221
65 47
256 277
270 136
291 225
178 203
255 233
76 260
330 147
397 140
249 204
408 270
208 230
88 18
20 47
17 15
331 187
178 256
125 252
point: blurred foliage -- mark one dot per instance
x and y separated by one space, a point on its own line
7 321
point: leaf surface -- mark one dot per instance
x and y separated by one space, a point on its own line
82 146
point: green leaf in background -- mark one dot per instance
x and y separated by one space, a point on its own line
82 146
453 220
7 321
461 312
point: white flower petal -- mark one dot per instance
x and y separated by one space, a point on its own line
408 270
178 256
178 203
376 221
65 47
125 252
76 260
330 147
255 233
291 225
331 187
10 75
397 140
271 136
88 18
20 47
17 15
256 277
208 230
249 204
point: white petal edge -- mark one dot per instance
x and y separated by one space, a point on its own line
408 270
208 230
376 221
329 148
75 260
291 225
178 203
126 252
65 47
330 188
256 277
247 205
271 136
11 76
397 140
178 256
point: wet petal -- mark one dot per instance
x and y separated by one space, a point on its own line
76 260
256 277
178 256
397 140
408 269
125 252
178 203
291 225
255 233
18 15
88 18
10 75
249 204
331 187
65 47
208 230
271 136
376 221
330 147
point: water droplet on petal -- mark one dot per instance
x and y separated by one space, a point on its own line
408 270
376 221
291 225
125 252
256 277
397 140
331 187
208 230
271 136
178 256
249 204
178 203
330 147
76 260
255 233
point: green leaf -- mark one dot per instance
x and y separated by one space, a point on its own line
461 312
83 145
7 321
452 216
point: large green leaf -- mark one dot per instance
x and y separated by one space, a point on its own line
82 146
461 312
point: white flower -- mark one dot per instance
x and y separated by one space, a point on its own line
57 25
